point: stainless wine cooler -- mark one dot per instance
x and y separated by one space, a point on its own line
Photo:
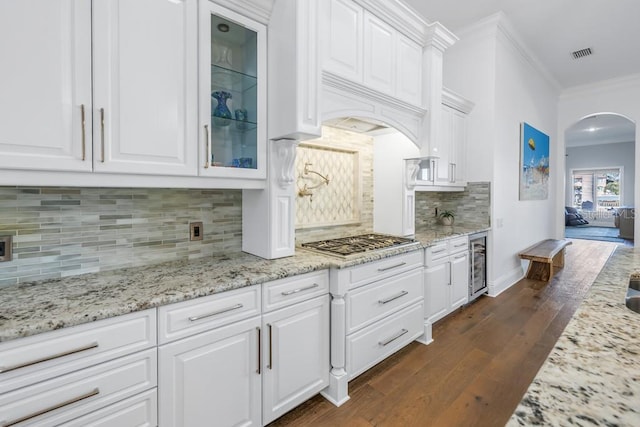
477 265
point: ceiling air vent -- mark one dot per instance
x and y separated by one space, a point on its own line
581 53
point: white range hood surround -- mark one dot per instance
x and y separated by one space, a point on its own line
390 71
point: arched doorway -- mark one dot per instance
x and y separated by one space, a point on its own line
600 178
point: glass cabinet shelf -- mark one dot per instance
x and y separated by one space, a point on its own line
233 124
232 80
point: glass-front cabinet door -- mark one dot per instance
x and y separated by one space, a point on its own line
232 94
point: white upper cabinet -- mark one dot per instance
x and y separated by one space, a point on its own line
145 86
367 50
45 82
408 70
233 87
379 42
343 32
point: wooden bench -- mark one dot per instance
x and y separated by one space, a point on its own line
544 256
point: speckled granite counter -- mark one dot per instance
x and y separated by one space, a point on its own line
436 233
30 309
592 375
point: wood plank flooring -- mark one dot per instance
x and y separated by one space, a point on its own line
482 360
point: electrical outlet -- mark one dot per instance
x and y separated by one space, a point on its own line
196 232
6 243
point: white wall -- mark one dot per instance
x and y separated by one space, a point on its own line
614 96
506 93
603 156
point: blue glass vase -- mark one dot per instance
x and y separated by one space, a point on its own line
221 112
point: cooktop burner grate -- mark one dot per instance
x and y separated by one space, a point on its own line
346 246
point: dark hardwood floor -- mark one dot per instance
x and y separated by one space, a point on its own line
482 360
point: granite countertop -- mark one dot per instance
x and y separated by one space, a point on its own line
434 233
33 308
592 375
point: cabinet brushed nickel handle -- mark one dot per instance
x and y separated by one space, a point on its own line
47 358
102 135
259 350
270 365
84 135
433 173
295 291
388 300
453 175
391 267
207 145
393 338
92 393
214 313
460 256
439 251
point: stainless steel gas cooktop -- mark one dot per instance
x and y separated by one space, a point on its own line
353 245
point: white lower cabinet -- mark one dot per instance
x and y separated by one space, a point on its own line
376 309
212 378
296 353
66 377
446 278
252 370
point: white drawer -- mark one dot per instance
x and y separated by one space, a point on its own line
182 319
386 267
371 345
139 410
25 361
368 304
283 292
64 398
436 252
459 244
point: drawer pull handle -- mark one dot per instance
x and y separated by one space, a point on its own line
460 256
400 295
215 313
459 245
295 291
393 338
47 358
392 267
439 251
92 393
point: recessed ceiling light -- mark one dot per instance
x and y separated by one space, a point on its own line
592 129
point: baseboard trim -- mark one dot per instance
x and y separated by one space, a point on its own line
505 281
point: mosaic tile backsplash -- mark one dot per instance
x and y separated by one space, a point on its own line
61 232
471 207
327 216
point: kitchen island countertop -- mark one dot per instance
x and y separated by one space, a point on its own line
592 375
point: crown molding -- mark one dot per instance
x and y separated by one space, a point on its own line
498 25
456 101
439 36
601 86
